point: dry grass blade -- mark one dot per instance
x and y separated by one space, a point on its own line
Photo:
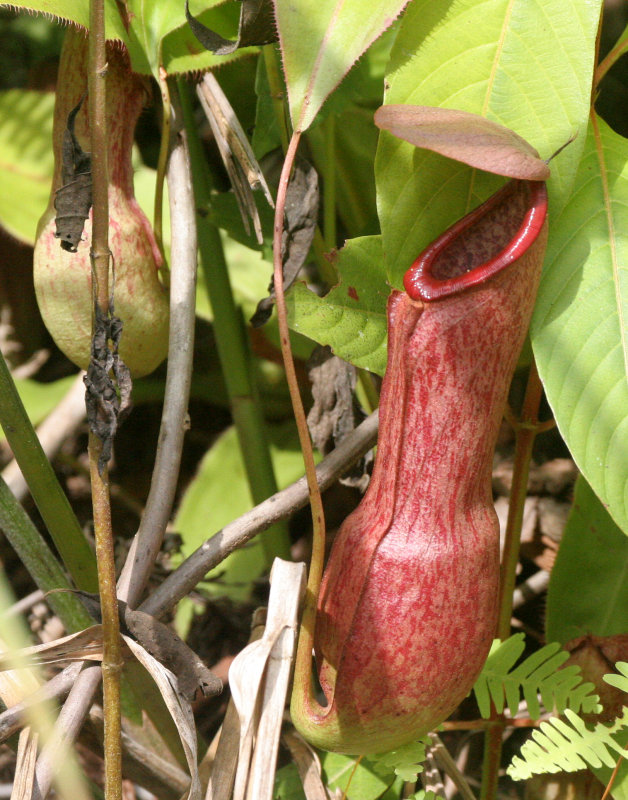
259 679
178 707
244 172
25 767
86 644
11 720
224 755
308 765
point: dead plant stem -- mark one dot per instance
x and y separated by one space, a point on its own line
147 541
240 531
103 534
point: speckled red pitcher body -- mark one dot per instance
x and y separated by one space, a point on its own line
408 604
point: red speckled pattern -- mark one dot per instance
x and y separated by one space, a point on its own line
407 609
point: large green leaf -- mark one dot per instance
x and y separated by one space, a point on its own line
526 64
26 160
182 52
588 590
351 318
157 33
219 493
320 41
77 11
151 21
580 325
356 779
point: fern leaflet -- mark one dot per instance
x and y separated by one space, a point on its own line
619 681
568 747
406 761
502 682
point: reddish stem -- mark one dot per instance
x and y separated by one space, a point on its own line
303 661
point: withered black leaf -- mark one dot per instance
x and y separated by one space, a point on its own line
74 199
108 399
257 27
300 218
164 645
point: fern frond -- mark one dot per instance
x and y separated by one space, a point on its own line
406 761
568 746
619 681
538 674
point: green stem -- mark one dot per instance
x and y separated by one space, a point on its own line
162 161
40 561
233 348
47 493
525 434
329 183
366 391
526 430
100 259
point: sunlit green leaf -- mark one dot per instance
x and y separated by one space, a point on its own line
26 160
203 510
351 318
181 50
77 11
526 64
320 41
580 325
588 590
355 778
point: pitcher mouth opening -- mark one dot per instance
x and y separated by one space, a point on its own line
481 244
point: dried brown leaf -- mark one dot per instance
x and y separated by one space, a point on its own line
300 218
85 644
465 137
23 782
74 199
179 709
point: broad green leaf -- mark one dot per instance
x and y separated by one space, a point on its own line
526 64
320 41
580 325
150 22
356 779
26 160
288 784
354 143
182 52
219 493
158 33
351 318
588 590
77 11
